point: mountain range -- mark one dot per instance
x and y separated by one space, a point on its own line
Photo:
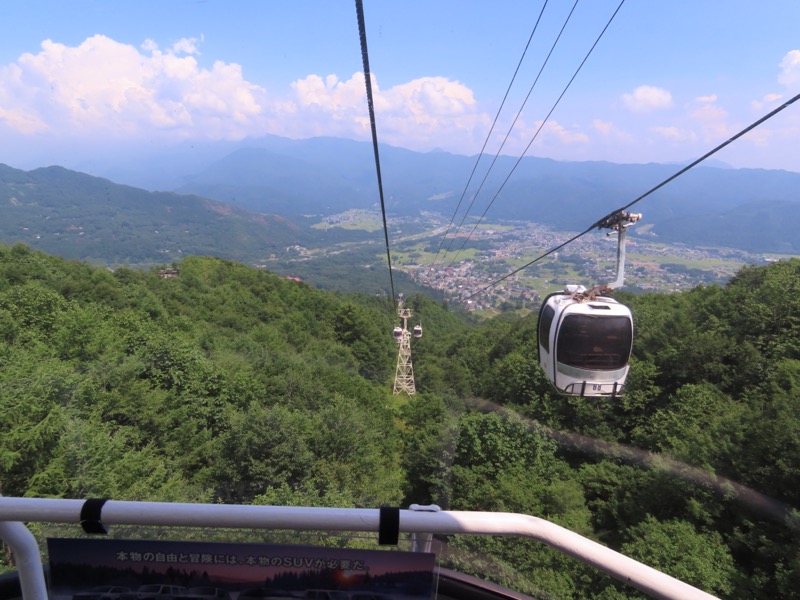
749 209
247 200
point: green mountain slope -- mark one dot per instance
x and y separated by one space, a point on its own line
78 216
755 227
265 181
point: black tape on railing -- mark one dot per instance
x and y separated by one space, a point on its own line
389 526
90 516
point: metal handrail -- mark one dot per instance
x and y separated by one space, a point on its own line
418 519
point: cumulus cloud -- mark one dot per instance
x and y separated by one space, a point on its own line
611 134
566 135
761 138
712 118
604 127
22 121
550 137
647 98
187 46
149 45
434 96
675 134
765 101
330 94
789 77
707 110
418 114
429 109
102 87
707 99
790 70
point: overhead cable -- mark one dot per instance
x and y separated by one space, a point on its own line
488 135
362 33
747 129
643 196
510 129
538 130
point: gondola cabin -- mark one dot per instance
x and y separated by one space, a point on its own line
417 333
585 344
398 333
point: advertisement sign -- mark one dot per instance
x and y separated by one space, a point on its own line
109 569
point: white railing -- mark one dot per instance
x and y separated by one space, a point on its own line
418 519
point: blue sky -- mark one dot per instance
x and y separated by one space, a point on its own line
667 82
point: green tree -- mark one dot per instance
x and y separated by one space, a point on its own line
428 444
675 547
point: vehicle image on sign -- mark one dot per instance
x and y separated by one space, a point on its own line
204 593
159 592
105 592
367 596
273 594
326 595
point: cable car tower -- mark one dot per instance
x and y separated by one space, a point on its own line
404 374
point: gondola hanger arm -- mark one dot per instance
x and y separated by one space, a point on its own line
619 222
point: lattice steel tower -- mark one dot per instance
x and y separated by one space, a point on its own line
404 374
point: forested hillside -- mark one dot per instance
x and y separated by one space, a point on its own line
229 384
95 220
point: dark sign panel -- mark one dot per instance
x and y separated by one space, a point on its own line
108 569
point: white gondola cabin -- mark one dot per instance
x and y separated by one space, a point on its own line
417 332
586 338
397 333
585 344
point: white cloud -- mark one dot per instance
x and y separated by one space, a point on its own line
565 135
761 104
149 45
14 112
186 46
707 99
712 118
430 110
21 121
790 70
105 87
611 131
646 98
761 138
708 110
675 134
604 127
420 114
434 96
330 94
102 87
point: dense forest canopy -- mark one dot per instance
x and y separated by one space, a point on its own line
230 384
